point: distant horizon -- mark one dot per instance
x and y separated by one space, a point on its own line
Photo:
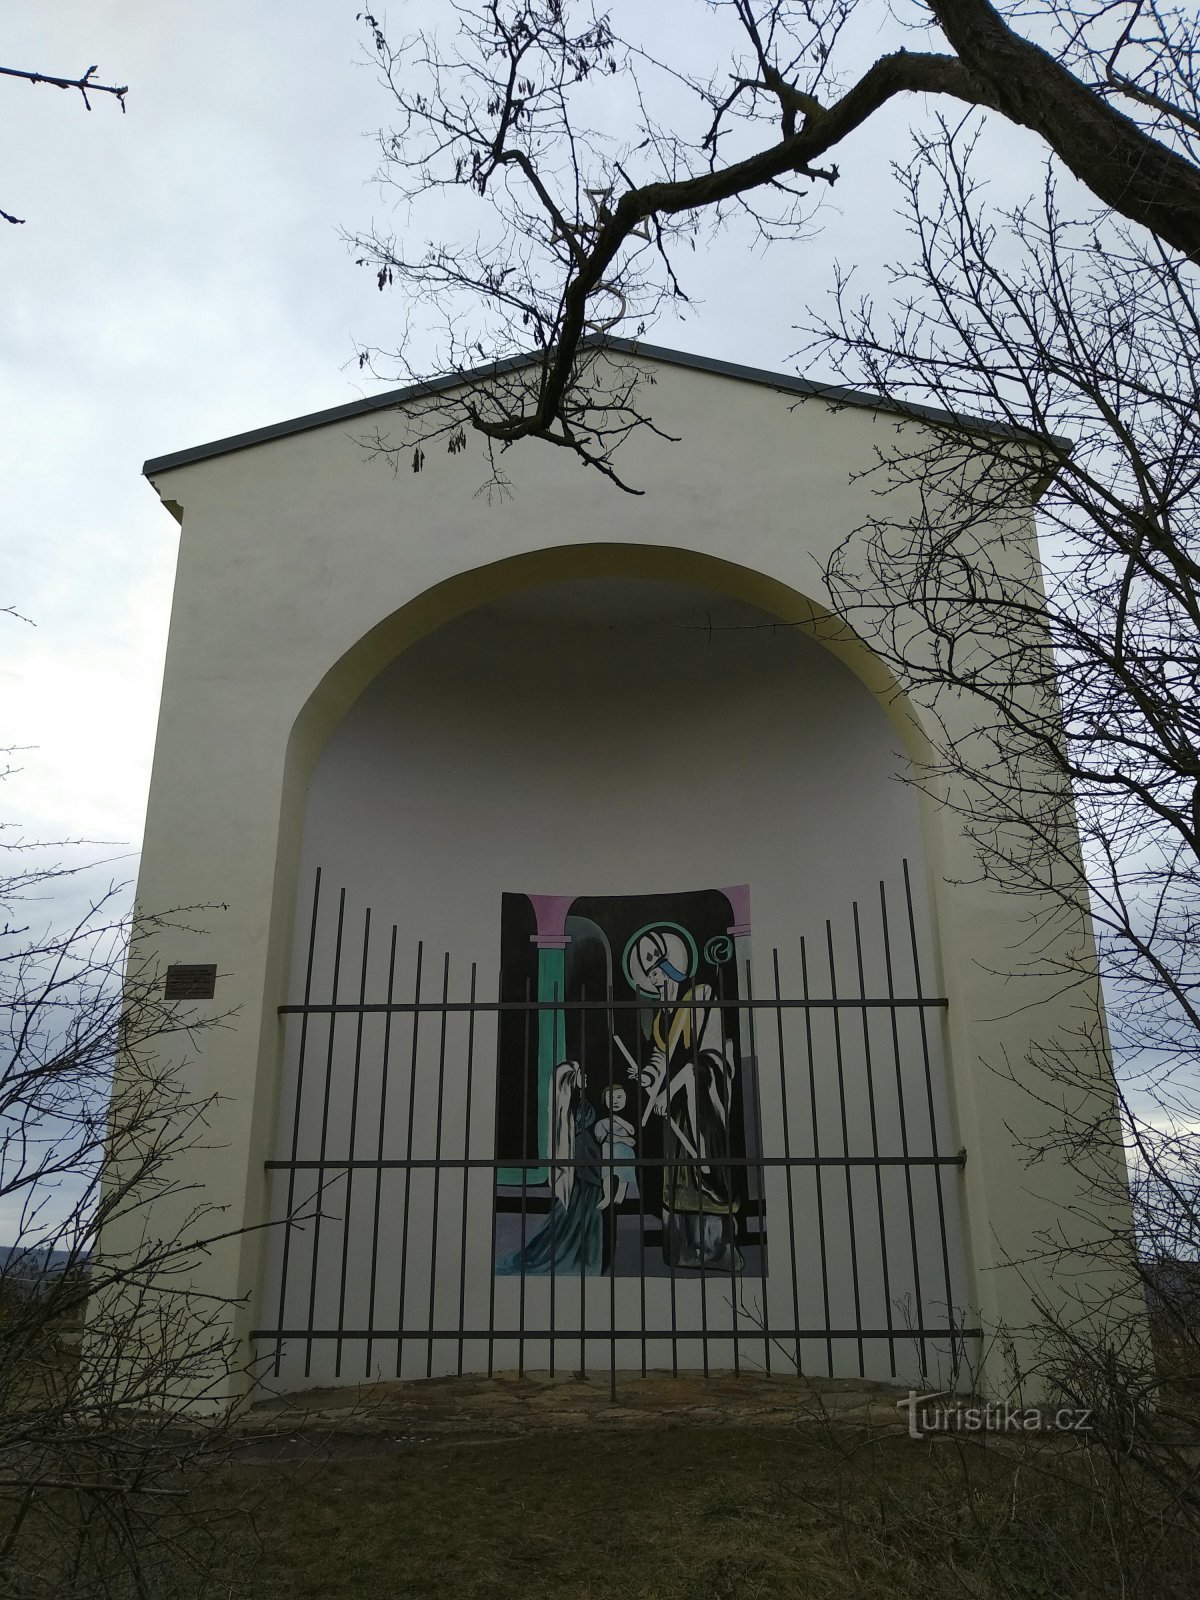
50 1257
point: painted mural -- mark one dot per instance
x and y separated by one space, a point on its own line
627 1115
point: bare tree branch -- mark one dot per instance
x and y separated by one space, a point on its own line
84 83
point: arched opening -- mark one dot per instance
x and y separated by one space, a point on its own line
486 585
536 769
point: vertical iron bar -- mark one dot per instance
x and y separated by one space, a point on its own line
412 1111
639 1151
462 1248
551 1174
358 1036
937 1171
841 1077
787 1154
731 1216
669 1183
383 1088
903 1113
525 1176
491 1323
612 1213
437 1162
818 1169
578 1178
866 1028
291 1199
752 1042
695 1064
312 1287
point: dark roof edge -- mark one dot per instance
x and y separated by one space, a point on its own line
784 382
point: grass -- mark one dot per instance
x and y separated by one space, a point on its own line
727 1513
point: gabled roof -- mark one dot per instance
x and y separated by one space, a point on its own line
784 382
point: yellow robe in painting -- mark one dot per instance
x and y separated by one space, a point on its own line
699 1093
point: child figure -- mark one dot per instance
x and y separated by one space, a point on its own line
618 1175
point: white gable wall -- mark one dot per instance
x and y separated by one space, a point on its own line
305 571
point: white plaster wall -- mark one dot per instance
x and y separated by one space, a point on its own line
574 758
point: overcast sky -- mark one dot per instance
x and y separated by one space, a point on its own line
180 277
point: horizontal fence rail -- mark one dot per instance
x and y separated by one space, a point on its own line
437 1007
704 1179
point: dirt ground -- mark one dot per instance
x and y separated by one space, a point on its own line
385 1417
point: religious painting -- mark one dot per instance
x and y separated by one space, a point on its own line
627 1112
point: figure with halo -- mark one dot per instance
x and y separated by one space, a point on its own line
688 1083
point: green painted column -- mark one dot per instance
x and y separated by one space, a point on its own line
551 942
552 1041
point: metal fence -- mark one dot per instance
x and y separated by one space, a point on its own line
821 1174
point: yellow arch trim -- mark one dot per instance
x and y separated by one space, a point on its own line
350 675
